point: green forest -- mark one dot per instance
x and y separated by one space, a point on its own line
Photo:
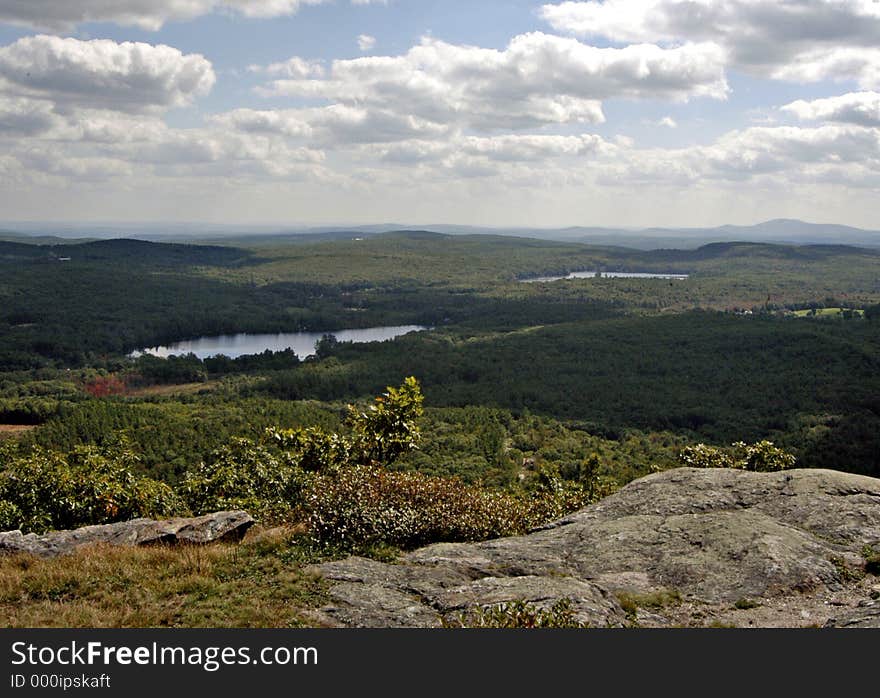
516 404
745 348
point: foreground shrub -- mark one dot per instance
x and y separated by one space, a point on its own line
762 456
268 478
43 490
378 435
246 475
367 505
703 456
519 614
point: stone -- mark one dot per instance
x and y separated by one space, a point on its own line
211 528
711 536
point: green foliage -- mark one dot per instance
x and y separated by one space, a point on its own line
746 604
631 602
11 517
519 614
246 475
380 435
325 346
176 433
703 456
762 456
656 374
388 429
269 478
366 505
175 369
43 490
872 560
312 448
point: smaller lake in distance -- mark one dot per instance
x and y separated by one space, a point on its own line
302 343
606 275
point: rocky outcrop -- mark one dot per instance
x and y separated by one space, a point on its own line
790 544
222 526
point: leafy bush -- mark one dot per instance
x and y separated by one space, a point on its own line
388 428
762 456
268 479
43 490
367 505
519 614
245 475
379 435
703 456
312 448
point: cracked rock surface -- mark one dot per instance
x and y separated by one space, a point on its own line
211 528
791 543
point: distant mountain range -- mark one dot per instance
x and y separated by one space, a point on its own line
785 231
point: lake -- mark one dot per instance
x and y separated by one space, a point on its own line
606 275
303 343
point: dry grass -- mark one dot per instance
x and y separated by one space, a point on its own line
172 390
10 430
260 583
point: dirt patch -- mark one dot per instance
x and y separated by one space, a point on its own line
10 430
168 390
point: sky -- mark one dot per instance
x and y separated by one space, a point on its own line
628 113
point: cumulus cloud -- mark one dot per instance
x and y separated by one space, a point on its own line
784 152
862 108
859 64
538 79
767 38
511 148
128 77
151 15
333 126
26 117
296 68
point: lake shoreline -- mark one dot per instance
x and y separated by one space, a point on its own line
244 344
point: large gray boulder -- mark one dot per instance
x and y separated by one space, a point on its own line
789 542
222 526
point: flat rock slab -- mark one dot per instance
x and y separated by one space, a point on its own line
710 536
211 528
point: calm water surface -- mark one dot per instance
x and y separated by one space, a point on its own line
606 275
303 343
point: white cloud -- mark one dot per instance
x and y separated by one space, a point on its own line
334 126
366 42
859 64
296 68
538 79
64 15
25 117
668 122
785 153
836 38
129 77
266 8
511 148
862 108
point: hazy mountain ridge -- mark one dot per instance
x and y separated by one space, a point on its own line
783 231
